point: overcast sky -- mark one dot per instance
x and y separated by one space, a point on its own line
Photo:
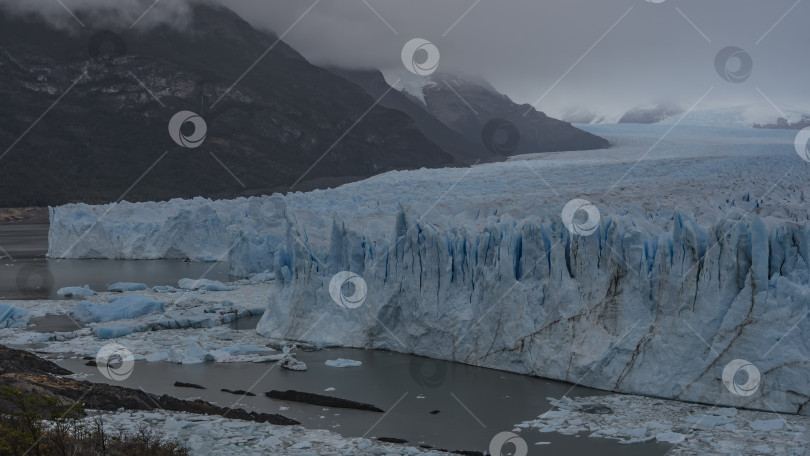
604 55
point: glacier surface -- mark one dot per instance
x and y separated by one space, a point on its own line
701 257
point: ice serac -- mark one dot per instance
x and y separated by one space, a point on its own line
621 310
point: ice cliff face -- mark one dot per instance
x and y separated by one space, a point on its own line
477 265
619 310
194 229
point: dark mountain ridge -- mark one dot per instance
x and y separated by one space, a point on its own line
473 108
104 131
459 146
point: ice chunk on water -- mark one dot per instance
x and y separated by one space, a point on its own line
111 332
126 286
165 289
195 354
340 362
204 284
243 349
288 362
77 292
767 425
131 306
262 277
670 437
272 358
12 317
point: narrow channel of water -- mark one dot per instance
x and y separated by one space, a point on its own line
443 404
25 273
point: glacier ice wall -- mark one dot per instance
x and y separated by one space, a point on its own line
476 266
632 308
194 229
620 310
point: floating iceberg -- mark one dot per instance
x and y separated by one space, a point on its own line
12 317
126 286
76 292
111 332
164 289
203 284
340 362
195 354
290 363
131 306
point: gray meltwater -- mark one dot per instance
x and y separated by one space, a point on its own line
473 403
25 273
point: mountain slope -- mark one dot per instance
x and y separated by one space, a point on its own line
106 131
467 106
460 147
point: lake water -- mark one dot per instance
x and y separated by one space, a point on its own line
473 403
469 404
27 274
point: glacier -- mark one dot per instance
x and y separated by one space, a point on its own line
701 257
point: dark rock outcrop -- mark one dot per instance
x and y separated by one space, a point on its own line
319 399
239 392
188 385
784 124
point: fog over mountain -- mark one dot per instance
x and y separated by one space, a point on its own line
607 57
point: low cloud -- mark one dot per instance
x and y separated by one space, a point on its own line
604 57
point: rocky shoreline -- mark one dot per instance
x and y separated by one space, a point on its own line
22 371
